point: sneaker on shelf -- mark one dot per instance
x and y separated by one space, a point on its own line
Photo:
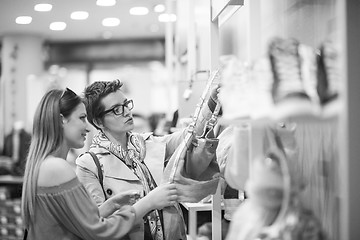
328 78
235 90
288 92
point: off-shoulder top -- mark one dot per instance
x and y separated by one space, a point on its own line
68 212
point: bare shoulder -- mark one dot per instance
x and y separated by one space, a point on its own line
55 171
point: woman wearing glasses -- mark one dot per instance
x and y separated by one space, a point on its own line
55 205
128 160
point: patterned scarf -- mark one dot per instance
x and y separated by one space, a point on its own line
133 157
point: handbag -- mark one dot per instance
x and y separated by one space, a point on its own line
193 166
25 234
100 174
200 163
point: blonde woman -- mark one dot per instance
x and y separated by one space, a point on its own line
55 205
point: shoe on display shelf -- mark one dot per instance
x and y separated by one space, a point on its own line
288 92
262 104
245 91
328 79
234 92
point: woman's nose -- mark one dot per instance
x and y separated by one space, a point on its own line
126 111
87 129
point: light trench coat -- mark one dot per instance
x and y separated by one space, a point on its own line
118 177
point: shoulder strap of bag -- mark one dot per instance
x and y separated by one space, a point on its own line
25 234
100 174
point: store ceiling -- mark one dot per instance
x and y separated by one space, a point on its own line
91 29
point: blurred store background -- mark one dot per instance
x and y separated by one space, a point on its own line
164 52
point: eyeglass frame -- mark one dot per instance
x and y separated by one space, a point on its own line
126 103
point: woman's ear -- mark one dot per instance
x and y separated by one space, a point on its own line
63 119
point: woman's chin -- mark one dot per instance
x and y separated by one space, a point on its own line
78 145
130 126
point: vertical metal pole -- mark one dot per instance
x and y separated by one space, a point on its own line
214 64
169 51
191 42
169 44
348 13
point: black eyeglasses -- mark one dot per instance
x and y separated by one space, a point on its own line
119 109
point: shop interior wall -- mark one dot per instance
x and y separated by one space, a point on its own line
311 22
246 35
192 50
248 32
145 77
144 81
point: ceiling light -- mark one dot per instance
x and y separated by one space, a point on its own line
105 3
43 7
159 8
79 15
110 22
23 20
57 26
139 11
164 17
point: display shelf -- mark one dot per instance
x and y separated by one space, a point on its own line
223 10
10 180
193 209
320 115
247 38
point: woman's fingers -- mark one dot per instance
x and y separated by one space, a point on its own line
171 203
173 198
127 197
170 186
173 192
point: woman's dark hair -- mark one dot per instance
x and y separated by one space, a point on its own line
68 101
93 95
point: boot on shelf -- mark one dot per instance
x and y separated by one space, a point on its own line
328 78
288 92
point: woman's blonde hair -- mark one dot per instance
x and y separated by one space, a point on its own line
47 138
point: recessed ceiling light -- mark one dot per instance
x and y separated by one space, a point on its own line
165 17
139 11
43 7
105 3
23 20
110 22
79 15
57 26
159 8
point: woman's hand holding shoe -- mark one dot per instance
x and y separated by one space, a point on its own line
163 196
